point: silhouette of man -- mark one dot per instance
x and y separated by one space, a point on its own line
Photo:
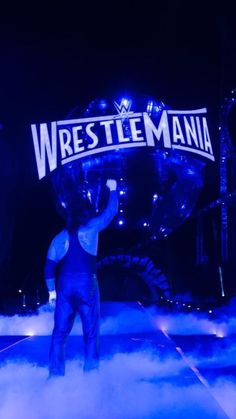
70 274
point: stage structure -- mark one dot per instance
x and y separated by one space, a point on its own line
227 164
222 209
157 155
157 285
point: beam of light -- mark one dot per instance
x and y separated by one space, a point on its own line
221 282
14 344
195 370
163 329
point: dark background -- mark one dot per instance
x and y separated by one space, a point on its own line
57 56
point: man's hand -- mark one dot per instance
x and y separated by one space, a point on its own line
111 184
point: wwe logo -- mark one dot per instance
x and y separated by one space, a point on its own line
124 107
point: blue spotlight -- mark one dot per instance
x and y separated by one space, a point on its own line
102 104
150 106
125 102
122 192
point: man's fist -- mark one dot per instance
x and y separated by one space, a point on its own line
52 296
111 184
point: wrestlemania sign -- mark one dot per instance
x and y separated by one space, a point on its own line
60 142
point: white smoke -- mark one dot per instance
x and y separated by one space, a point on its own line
126 319
127 385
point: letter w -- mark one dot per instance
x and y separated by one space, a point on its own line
45 148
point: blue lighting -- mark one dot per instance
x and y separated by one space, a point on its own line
122 192
121 222
150 106
102 104
89 196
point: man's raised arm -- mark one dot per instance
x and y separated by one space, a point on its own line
107 215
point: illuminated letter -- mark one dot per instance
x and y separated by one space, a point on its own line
45 147
134 131
121 138
77 140
107 125
65 139
206 137
199 132
177 131
91 135
151 130
191 131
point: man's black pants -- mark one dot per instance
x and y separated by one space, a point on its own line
76 294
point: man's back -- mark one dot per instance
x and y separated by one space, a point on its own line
76 260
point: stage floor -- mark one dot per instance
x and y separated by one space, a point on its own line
148 374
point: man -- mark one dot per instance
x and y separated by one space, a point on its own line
70 274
